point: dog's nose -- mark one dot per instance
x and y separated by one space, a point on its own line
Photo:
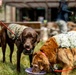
35 66
27 46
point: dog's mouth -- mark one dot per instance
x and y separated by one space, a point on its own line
27 51
35 69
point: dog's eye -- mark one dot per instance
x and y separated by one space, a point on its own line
24 38
33 40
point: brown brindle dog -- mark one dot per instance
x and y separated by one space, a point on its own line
25 41
51 53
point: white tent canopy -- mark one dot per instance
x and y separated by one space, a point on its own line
37 3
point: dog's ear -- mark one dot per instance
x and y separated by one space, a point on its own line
40 65
19 40
34 53
37 36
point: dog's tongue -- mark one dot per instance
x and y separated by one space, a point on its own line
28 49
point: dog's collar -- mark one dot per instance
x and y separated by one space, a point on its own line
43 54
52 68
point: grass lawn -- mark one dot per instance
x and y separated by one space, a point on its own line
8 68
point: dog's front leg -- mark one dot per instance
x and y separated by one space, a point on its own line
18 60
3 44
30 57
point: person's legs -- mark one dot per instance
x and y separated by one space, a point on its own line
59 17
66 17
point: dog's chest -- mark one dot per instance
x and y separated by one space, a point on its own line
17 30
0 28
66 40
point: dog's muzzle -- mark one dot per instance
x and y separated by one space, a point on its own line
27 52
35 68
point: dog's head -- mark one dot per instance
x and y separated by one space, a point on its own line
40 63
28 39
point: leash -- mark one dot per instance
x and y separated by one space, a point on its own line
64 70
53 70
7 27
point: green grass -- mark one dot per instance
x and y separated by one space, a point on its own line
8 68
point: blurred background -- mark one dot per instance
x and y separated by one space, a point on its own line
32 10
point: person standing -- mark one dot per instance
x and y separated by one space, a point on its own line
63 12
63 16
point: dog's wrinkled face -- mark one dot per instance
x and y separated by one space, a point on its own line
40 63
29 39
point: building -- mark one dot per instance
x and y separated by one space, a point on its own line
17 10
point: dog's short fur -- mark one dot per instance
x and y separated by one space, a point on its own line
3 40
44 34
71 26
53 28
25 42
60 27
56 51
